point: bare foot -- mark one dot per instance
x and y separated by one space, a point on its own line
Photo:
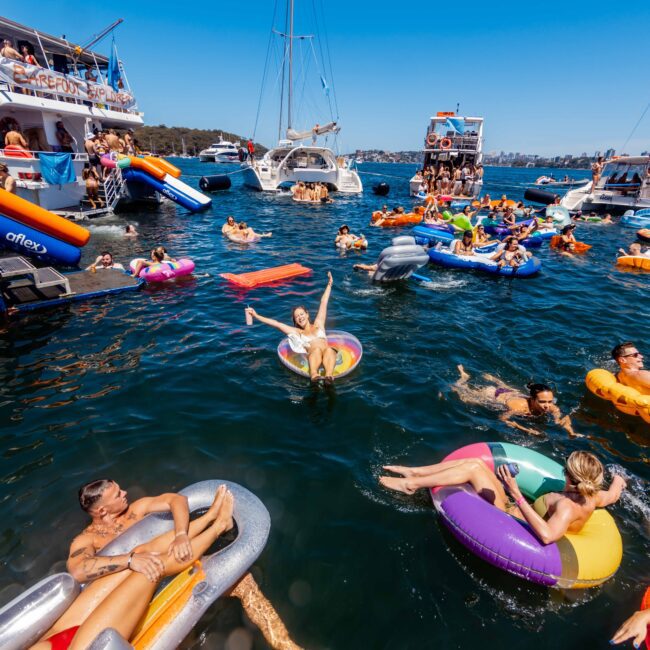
464 377
224 518
401 470
215 508
397 484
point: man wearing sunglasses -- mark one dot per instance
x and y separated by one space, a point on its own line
631 372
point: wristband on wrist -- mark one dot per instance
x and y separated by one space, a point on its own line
128 563
179 534
520 500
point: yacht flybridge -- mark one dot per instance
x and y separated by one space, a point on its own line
455 142
292 161
66 87
623 185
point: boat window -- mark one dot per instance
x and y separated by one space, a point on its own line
622 176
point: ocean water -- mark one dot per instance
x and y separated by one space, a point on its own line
168 386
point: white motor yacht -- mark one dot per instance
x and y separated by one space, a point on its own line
292 161
623 185
68 90
221 152
458 142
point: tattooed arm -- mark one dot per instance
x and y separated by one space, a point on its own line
85 565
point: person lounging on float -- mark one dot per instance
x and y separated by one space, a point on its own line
158 256
631 372
539 402
310 338
120 587
510 255
464 246
230 226
567 511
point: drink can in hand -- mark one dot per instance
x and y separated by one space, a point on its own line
249 317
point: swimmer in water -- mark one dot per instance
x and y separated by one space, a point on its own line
230 226
631 372
567 511
307 337
130 231
540 401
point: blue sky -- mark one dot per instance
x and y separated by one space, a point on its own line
568 78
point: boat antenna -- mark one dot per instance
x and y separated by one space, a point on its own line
457 108
80 49
636 126
289 125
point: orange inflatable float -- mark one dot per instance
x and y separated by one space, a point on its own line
40 219
164 166
266 276
634 261
398 220
147 166
578 247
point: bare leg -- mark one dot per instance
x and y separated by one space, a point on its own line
423 470
471 470
128 603
315 360
262 614
329 361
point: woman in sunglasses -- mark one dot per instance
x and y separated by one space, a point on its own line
539 402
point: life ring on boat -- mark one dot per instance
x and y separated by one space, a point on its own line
432 138
445 143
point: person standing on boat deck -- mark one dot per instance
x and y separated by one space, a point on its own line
111 515
9 52
314 133
64 138
90 76
15 139
7 181
28 57
113 141
250 146
596 171
91 177
128 142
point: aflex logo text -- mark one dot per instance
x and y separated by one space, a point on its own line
30 245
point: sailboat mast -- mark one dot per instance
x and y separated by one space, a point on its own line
289 125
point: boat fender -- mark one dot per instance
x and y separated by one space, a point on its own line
539 196
215 183
381 189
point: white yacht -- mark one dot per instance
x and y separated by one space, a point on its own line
68 88
221 152
456 140
623 185
292 161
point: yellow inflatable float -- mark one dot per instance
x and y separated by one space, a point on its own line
629 400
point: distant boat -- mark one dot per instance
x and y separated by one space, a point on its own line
623 185
550 181
455 141
291 161
221 152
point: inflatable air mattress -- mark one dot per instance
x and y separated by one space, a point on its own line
482 262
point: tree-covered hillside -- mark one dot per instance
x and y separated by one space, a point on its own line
166 140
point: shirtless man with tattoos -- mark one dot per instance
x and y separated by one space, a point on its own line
111 515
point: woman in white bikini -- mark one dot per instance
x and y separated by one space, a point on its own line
307 337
